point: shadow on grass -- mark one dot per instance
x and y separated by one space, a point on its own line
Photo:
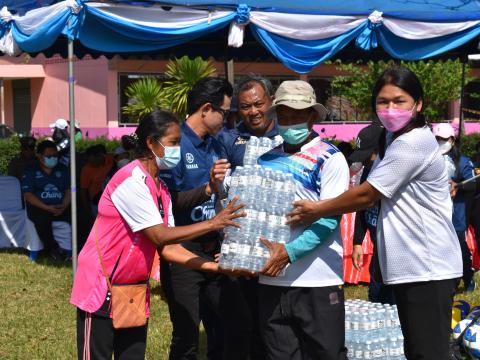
42 259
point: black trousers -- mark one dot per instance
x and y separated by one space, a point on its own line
466 258
186 291
425 312
303 323
98 340
250 293
43 224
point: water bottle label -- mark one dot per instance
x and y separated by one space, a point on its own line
278 186
232 248
262 216
267 183
389 323
225 249
373 325
348 326
257 180
243 180
355 325
251 213
351 353
381 324
234 181
377 353
364 326
367 354
359 354
244 249
395 352
258 251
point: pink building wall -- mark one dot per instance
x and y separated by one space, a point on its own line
50 95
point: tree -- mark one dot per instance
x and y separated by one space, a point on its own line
182 74
441 81
144 96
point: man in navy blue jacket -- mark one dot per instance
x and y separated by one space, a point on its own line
255 96
192 294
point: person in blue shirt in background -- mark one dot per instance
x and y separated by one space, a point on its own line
46 188
188 291
254 96
459 168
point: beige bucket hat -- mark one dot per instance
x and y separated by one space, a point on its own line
297 94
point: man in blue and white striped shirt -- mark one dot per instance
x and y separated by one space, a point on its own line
302 313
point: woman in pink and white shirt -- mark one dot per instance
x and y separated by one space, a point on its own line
134 220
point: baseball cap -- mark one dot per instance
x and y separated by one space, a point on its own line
62 124
297 94
367 141
443 130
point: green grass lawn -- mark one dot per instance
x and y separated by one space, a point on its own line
37 321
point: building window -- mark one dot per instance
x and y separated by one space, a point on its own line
124 80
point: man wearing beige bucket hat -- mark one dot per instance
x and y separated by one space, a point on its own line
302 312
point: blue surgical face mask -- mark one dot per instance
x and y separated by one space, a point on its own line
170 159
294 134
50 161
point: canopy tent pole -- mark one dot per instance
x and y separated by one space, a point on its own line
462 93
73 182
2 100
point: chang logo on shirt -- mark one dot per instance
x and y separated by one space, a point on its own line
203 212
189 158
50 191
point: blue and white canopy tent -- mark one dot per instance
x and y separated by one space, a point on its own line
300 34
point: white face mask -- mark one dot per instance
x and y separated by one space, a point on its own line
444 146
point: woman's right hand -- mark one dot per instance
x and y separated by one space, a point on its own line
225 217
357 257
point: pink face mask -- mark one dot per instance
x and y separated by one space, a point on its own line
395 119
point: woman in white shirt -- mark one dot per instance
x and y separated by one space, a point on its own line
418 251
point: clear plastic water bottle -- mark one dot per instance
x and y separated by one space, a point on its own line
359 348
267 181
244 249
377 350
251 151
259 255
264 145
225 261
368 350
289 189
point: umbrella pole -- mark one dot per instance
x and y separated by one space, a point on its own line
73 182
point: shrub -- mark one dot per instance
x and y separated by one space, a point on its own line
467 144
10 147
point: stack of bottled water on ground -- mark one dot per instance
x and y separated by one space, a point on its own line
256 147
268 196
372 331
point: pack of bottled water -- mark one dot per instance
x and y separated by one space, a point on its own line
268 196
372 331
256 147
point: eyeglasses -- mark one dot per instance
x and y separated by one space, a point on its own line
224 112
